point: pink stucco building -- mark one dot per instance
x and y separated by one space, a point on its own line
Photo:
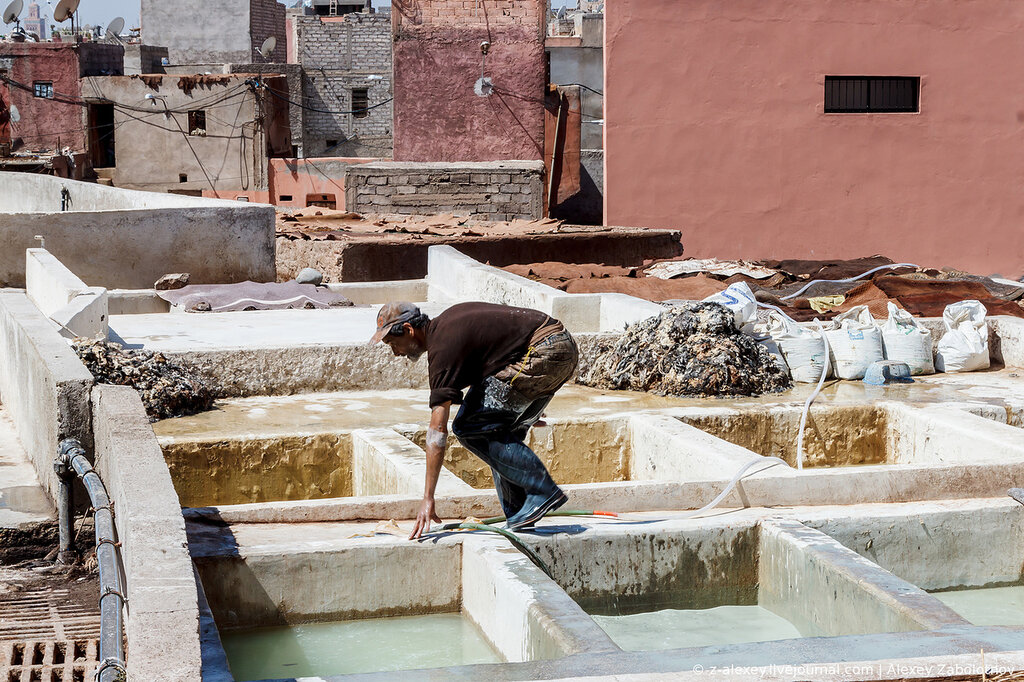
437 59
718 124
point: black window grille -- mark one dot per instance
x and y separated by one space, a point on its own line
43 89
871 94
360 102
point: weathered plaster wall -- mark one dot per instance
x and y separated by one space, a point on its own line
196 32
139 59
716 127
155 149
45 124
437 60
123 239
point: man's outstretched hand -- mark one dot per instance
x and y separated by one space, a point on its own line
424 518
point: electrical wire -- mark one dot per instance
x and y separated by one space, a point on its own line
322 111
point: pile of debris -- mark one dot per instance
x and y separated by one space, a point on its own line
167 389
689 350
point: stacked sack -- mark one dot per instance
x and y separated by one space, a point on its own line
851 342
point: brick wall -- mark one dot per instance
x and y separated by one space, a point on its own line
437 61
487 191
266 19
470 13
339 55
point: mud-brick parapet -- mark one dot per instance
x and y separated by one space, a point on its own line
503 190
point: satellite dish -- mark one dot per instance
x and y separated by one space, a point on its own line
114 29
267 48
13 11
64 10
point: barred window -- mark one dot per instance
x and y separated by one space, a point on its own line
871 94
43 89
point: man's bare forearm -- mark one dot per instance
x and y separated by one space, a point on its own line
437 442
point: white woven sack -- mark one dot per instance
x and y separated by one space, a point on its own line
904 340
803 349
964 346
739 299
854 342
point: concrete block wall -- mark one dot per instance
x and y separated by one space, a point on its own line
489 191
339 54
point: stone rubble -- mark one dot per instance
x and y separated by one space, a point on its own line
688 350
167 389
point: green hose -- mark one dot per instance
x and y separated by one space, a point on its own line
488 525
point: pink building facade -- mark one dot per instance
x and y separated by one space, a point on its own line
437 60
717 125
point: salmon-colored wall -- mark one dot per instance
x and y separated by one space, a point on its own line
715 126
314 179
437 61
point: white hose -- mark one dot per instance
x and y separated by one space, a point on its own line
810 399
741 474
848 279
775 461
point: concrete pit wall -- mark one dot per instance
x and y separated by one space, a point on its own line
239 471
611 570
162 623
574 451
485 191
826 589
43 385
125 239
346 581
938 545
80 310
454 276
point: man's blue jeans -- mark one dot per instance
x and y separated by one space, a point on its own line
495 434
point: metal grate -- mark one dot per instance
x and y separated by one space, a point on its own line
52 661
47 615
871 94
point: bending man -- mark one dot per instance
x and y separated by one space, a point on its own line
512 360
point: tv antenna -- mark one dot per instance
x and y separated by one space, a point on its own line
12 13
66 10
114 29
267 48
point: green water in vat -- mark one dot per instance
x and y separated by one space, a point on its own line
356 646
680 628
987 605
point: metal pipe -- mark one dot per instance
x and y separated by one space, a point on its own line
71 461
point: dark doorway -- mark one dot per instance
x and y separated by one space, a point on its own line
101 135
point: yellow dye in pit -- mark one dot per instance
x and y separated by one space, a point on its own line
356 646
682 628
987 605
